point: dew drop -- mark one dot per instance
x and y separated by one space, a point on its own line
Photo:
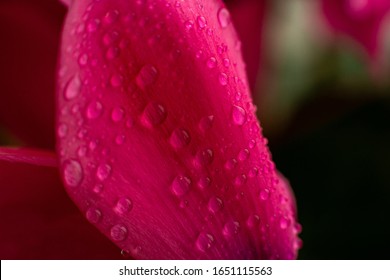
264 194
230 164
204 242
123 206
83 59
243 155
284 222
179 138
215 205
98 188
253 172
238 115
189 24
72 88
204 157
93 25
146 76
223 79
118 232
120 139
252 144
226 62
94 110
73 173
240 180
223 17
82 151
117 114
110 38
253 221
231 228
111 17
211 62
204 182
154 114
116 80
181 185
62 130
202 23
112 52
206 123
93 215
103 171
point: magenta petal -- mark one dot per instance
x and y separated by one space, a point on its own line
359 19
160 146
37 219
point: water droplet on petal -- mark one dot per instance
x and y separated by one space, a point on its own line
146 76
231 228
253 221
83 60
253 172
230 164
62 130
117 114
204 241
284 222
264 194
179 138
189 24
243 155
240 180
154 114
72 88
112 52
226 62
238 115
118 232
202 23
223 79
94 110
116 80
93 215
93 25
73 173
123 206
215 205
111 17
204 157
211 62
103 171
223 17
181 185
120 139
206 123
98 188
204 182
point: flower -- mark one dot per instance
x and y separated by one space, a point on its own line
157 140
359 19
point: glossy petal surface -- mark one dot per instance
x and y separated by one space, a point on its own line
157 132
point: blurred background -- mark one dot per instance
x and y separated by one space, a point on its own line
323 99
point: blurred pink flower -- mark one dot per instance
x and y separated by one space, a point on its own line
360 19
157 141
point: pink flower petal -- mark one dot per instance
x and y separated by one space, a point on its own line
29 32
37 219
158 134
248 18
359 19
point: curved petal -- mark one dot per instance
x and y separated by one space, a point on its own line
359 19
37 219
248 18
30 34
158 138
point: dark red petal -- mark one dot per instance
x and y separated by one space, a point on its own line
248 17
37 219
29 32
157 134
